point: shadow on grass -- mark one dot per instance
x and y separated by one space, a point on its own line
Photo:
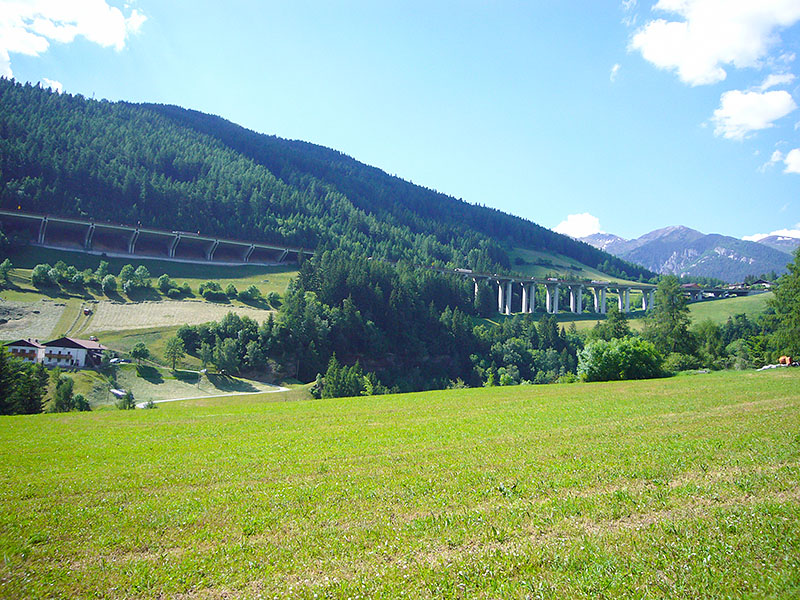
229 384
114 296
150 374
186 376
260 303
141 294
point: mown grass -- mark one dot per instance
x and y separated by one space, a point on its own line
718 311
686 487
565 266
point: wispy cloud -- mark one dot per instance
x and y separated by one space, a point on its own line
776 79
614 72
29 27
579 225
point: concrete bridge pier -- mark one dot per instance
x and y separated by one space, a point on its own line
132 241
501 301
173 247
552 297
211 249
42 230
624 300
248 253
528 297
576 298
283 256
599 293
508 297
87 241
647 299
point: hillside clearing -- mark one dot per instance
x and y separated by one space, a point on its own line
683 487
37 320
111 316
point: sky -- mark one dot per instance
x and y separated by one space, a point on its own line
583 116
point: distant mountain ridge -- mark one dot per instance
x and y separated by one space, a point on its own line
781 242
684 251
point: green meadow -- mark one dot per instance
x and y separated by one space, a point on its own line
674 488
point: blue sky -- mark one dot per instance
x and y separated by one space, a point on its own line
627 116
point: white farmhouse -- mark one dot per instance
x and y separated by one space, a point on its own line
71 352
28 350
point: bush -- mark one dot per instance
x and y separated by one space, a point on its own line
40 277
215 296
126 402
625 358
274 299
677 362
174 293
109 284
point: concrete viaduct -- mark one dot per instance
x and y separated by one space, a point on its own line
126 240
121 240
506 286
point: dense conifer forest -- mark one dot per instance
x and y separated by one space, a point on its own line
168 167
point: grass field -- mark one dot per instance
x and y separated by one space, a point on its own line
677 488
717 311
565 266
266 279
150 382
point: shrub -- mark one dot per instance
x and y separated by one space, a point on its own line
126 402
274 299
677 362
40 277
625 358
109 284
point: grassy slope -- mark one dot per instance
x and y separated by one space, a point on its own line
562 265
716 310
266 279
719 310
686 487
150 382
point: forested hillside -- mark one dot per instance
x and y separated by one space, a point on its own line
172 168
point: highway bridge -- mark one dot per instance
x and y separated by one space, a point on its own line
114 239
135 241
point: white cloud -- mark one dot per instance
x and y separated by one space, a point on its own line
28 26
614 70
776 157
776 79
712 35
579 225
56 86
743 112
792 161
793 233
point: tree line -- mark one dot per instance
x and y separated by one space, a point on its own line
162 166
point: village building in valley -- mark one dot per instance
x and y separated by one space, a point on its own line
64 352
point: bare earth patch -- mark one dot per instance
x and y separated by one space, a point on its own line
29 319
111 316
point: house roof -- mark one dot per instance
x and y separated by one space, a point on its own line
26 343
66 342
